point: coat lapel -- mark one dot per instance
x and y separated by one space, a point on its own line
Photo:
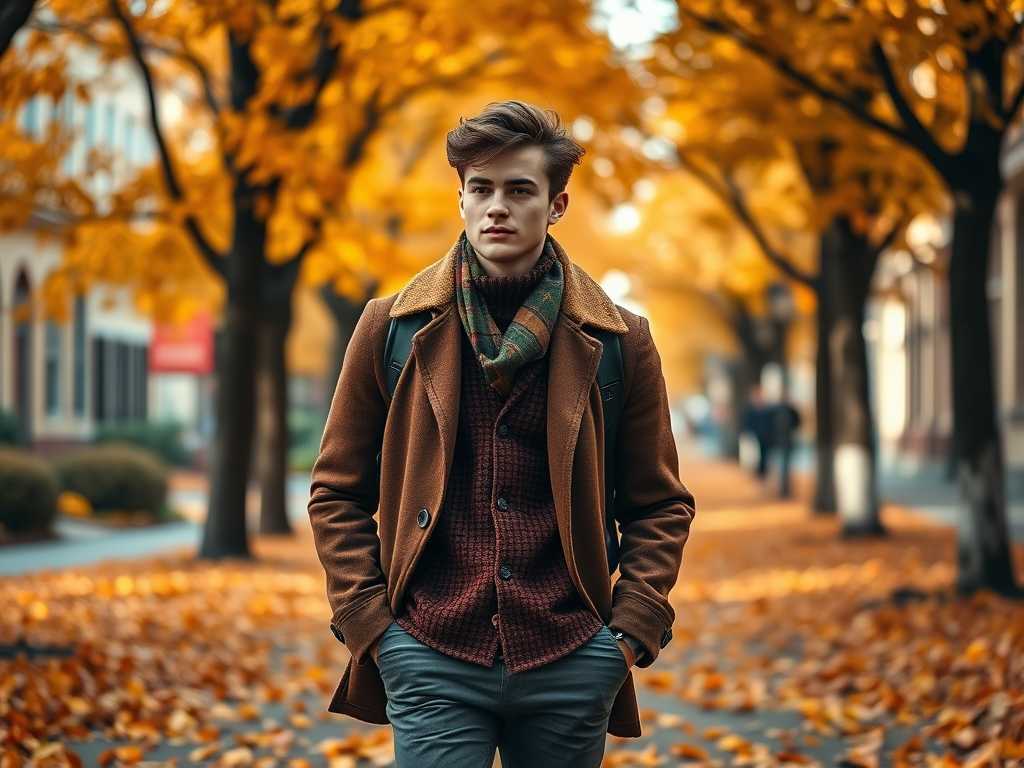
438 358
573 369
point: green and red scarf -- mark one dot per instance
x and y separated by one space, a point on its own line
527 337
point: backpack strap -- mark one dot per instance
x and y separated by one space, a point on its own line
398 345
610 377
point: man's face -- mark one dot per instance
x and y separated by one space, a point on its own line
507 211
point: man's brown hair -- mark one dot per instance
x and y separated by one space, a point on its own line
510 125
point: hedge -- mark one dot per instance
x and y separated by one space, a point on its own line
28 492
161 437
115 477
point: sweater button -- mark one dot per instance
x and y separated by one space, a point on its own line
505 572
502 504
423 518
503 430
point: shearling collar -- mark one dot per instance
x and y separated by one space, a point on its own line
583 300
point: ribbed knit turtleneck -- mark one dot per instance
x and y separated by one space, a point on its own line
505 295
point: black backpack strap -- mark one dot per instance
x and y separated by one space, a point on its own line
398 345
397 349
610 377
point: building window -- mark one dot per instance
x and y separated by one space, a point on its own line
78 359
30 118
120 380
129 139
68 117
52 379
109 127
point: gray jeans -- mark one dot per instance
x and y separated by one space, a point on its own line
452 713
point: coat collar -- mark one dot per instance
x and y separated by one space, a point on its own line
582 302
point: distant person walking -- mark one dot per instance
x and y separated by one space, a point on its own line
478 606
759 421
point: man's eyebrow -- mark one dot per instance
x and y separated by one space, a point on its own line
509 183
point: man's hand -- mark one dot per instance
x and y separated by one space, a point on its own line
627 653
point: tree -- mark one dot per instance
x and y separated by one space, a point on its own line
945 80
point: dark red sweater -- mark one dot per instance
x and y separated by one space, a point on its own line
493 579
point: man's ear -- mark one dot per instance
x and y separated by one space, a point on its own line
558 206
462 210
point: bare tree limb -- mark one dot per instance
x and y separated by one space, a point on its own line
209 253
730 194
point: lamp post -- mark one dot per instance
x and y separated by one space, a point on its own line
781 310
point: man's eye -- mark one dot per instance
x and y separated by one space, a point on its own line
521 191
476 190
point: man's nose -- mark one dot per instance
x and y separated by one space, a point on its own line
497 206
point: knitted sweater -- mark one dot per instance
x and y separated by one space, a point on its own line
493 582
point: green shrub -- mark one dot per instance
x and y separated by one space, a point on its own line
162 438
10 429
115 476
28 492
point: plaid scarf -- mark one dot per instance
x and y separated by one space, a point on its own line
529 334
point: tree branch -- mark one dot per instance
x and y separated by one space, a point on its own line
917 134
733 198
786 68
200 70
212 257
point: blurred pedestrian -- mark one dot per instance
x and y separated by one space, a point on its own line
785 421
480 612
759 421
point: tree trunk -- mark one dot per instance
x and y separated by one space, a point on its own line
225 534
272 395
824 437
984 555
852 263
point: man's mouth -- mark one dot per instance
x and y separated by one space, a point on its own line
497 231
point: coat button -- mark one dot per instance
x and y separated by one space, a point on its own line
503 430
666 638
337 634
505 572
423 518
502 504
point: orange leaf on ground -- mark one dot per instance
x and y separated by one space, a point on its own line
688 752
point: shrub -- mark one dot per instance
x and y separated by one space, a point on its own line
161 437
115 477
28 492
10 430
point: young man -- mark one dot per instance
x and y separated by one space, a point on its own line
478 610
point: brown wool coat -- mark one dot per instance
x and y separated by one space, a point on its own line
368 566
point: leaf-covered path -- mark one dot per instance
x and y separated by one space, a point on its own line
789 648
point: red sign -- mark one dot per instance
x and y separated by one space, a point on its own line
184 348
